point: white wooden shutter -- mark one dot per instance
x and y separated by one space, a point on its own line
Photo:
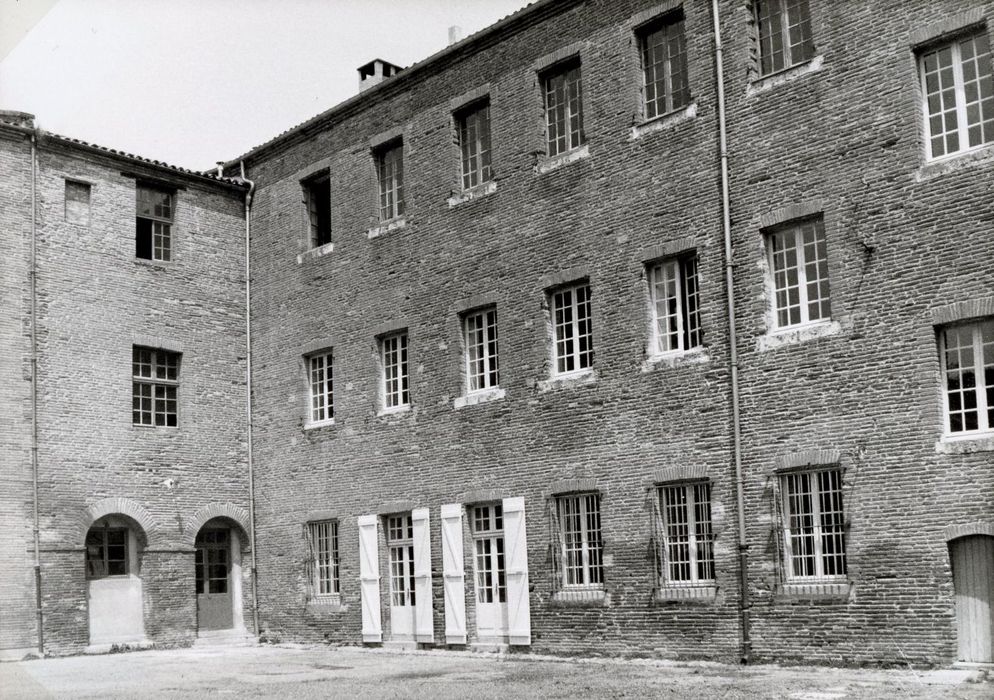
369 579
424 628
453 576
516 543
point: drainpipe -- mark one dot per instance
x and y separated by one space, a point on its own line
32 275
248 392
726 222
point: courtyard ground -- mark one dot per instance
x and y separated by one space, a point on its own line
300 671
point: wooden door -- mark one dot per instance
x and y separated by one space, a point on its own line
213 563
973 582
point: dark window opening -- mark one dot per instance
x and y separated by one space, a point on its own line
317 198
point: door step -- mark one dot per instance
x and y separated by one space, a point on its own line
225 638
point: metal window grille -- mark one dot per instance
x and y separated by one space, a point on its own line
573 334
675 301
155 382
784 34
317 199
400 540
321 375
395 375
958 86
687 550
153 224
390 172
474 145
968 369
814 525
482 370
488 542
564 110
664 66
106 552
582 548
800 274
324 556
77 203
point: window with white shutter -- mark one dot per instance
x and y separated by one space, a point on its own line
516 543
423 616
453 574
369 579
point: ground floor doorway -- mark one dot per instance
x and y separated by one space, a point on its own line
113 581
973 583
218 577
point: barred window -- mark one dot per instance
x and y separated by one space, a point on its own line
323 540
563 109
400 540
390 173
393 356
474 144
574 350
799 262
687 549
155 382
663 48
488 542
321 375
481 350
958 87
967 353
814 525
317 199
675 305
153 224
582 548
784 34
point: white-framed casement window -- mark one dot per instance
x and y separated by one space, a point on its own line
78 202
578 517
663 49
814 529
390 177
155 383
400 542
784 29
322 538
675 308
967 354
317 200
473 127
321 387
488 547
563 96
686 549
958 89
482 370
798 261
394 385
153 223
573 346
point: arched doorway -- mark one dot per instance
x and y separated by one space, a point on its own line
219 576
973 583
114 546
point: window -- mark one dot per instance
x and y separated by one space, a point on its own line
390 173
579 519
481 350
800 274
968 370
784 34
958 86
317 199
488 542
393 355
155 375
323 542
400 540
687 546
814 525
321 375
153 224
675 305
574 350
77 203
563 109
474 144
106 552
662 45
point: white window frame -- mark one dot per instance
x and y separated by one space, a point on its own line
817 527
390 180
572 335
699 538
320 390
161 225
400 553
670 283
783 13
672 28
564 132
985 426
394 353
487 529
801 253
475 145
158 358
481 351
325 574
591 541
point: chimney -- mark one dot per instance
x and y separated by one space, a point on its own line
455 35
375 72
21 119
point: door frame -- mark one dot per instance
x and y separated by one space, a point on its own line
234 575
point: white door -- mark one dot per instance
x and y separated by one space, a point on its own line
973 582
491 572
400 542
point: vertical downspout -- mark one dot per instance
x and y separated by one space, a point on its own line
248 393
726 222
32 274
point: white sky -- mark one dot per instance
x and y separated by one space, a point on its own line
190 82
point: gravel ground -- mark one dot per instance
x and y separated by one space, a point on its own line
315 671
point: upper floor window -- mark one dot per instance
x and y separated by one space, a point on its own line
317 199
579 520
77 203
155 382
390 174
573 346
395 378
814 525
663 48
687 547
153 224
321 375
967 353
784 34
958 86
563 108
323 543
799 263
675 305
473 124
482 370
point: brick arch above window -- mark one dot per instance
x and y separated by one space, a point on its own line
680 472
977 527
963 310
229 511
808 458
126 507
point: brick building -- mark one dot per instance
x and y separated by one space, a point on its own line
594 334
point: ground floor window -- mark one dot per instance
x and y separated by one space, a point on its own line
579 522
814 525
106 552
400 540
687 547
488 541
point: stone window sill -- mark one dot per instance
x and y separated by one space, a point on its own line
795 335
386 227
664 122
326 604
677 358
319 424
318 252
478 397
831 590
157 264
771 80
568 381
556 162
580 598
391 412
965 444
955 162
699 594
469 195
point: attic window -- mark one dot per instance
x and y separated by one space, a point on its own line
317 199
153 224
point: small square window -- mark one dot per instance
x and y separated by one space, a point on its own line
153 224
317 199
473 124
155 384
563 96
814 530
967 354
573 347
674 300
662 45
77 203
320 379
799 263
394 367
784 28
480 328
322 541
390 175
